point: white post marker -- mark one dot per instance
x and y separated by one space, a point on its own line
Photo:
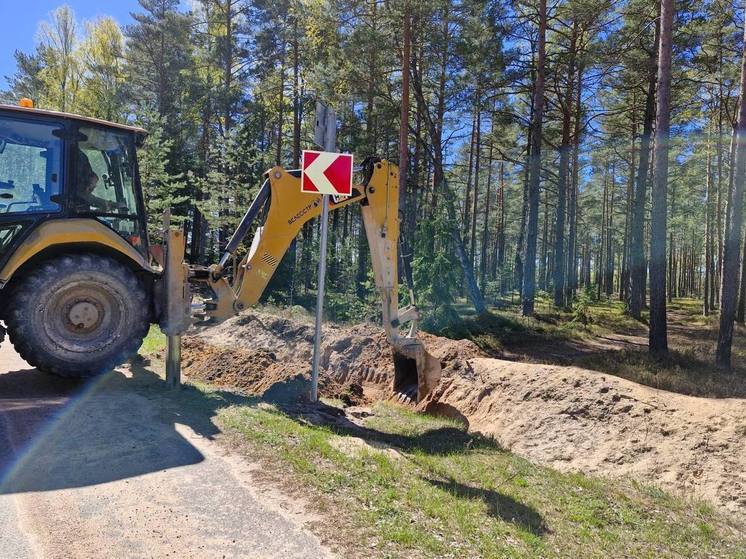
329 174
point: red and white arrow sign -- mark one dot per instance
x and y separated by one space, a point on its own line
327 173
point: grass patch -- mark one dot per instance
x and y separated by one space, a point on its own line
690 367
684 372
417 486
503 327
154 342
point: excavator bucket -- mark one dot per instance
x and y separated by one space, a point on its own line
416 372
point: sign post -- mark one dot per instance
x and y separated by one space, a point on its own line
327 173
320 300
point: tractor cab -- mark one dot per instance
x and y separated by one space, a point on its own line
56 166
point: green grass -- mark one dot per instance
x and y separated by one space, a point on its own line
408 485
154 342
502 326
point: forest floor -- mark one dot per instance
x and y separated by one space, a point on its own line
601 337
506 472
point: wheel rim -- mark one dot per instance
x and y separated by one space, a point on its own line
84 316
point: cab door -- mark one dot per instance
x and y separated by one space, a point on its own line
105 186
31 176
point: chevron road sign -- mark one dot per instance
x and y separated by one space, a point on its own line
327 173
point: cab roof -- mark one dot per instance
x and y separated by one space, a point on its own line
71 116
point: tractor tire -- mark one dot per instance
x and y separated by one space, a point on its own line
78 315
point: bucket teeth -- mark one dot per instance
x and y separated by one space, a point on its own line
407 396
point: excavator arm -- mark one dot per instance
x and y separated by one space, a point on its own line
416 372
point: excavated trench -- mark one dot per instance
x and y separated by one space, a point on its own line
569 418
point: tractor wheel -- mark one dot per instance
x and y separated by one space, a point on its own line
78 315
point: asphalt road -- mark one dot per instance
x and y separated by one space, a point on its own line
113 468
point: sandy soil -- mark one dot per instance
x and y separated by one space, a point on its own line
562 416
580 420
270 356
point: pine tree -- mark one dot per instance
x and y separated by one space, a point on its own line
733 233
534 179
658 322
162 191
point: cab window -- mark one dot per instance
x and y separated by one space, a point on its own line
104 180
30 166
7 234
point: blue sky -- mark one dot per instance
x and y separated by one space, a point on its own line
21 19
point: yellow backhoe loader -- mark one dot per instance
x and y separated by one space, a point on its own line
80 285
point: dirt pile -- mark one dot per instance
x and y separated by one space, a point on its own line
565 417
578 420
259 352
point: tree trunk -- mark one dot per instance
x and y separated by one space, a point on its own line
609 275
562 180
470 175
416 184
544 244
658 343
709 218
624 281
721 195
477 164
483 264
280 114
371 126
404 197
731 253
521 238
297 112
637 260
572 264
520 245
741 311
600 262
501 231
404 115
672 287
472 289
532 226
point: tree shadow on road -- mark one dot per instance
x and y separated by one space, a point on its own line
60 433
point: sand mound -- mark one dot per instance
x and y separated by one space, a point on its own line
565 417
256 351
580 420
